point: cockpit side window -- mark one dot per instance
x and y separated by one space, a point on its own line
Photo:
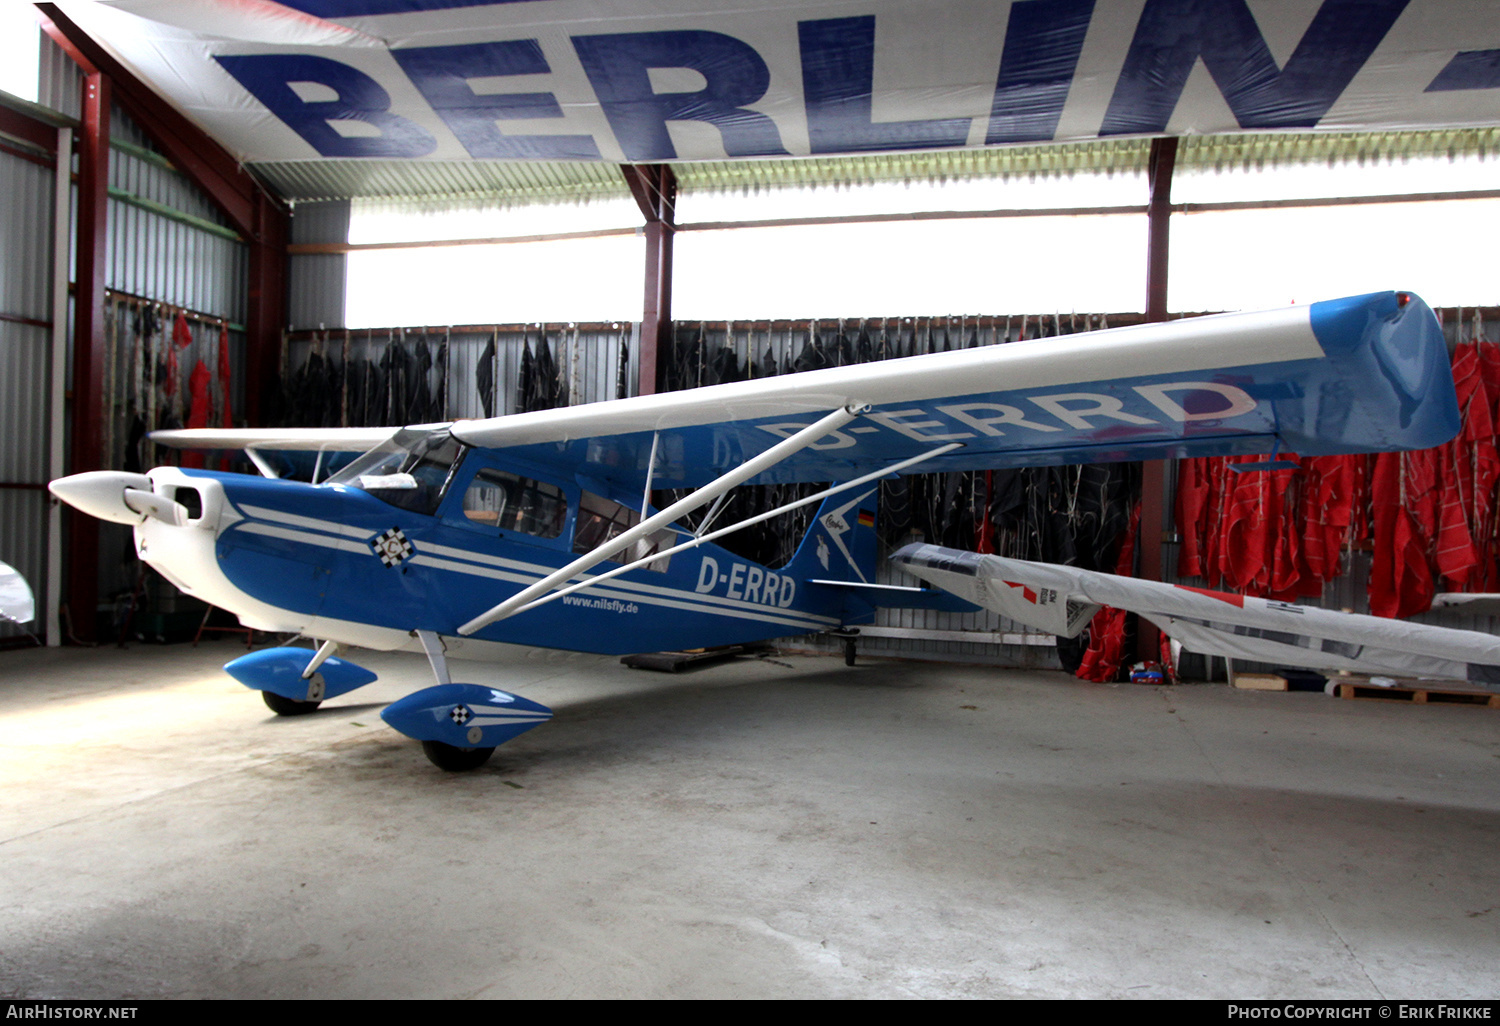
601 519
514 503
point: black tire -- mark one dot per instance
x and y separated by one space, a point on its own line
849 652
454 759
283 706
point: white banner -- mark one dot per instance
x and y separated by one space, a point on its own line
661 80
1061 599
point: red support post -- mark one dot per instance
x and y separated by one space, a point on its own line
88 343
1160 164
1153 527
267 306
655 189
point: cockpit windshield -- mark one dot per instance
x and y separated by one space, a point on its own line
411 469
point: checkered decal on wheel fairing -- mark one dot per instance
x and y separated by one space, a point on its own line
392 547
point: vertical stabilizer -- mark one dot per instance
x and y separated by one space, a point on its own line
840 545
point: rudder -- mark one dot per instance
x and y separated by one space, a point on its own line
841 543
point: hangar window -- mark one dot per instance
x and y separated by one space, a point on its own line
527 274
939 247
20 51
1280 246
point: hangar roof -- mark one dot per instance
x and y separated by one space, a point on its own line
532 181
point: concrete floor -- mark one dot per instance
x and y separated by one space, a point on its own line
776 828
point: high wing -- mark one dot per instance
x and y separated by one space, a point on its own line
1363 374
1062 599
357 439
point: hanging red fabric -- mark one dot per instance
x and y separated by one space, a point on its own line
225 419
1400 581
984 537
1248 536
1106 649
1194 488
1455 554
182 337
1332 503
1289 578
198 409
1487 472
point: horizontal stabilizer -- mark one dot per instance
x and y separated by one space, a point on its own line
895 596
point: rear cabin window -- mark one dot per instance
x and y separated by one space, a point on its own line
509 502
601 519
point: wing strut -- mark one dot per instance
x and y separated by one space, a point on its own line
744 472
693 543
650 473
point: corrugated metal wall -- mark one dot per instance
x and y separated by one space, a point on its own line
170 248
156 256
61 85
588 360
317 280
26 191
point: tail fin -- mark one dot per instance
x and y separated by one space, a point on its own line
839 553
841 544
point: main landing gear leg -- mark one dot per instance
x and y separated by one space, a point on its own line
441 754
283 706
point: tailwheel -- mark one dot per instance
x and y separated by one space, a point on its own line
455 759
848 637
283 706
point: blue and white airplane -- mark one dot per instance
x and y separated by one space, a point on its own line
536 528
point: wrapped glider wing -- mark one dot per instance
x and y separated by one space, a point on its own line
1352 375
1062 599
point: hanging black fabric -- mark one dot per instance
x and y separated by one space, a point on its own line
418 394
396 364
439 409
526 380
622 375
484 378
544 379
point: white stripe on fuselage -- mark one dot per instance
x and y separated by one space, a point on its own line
518 572
287 534
295 520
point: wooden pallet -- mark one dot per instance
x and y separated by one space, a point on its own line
1422 693
676 662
